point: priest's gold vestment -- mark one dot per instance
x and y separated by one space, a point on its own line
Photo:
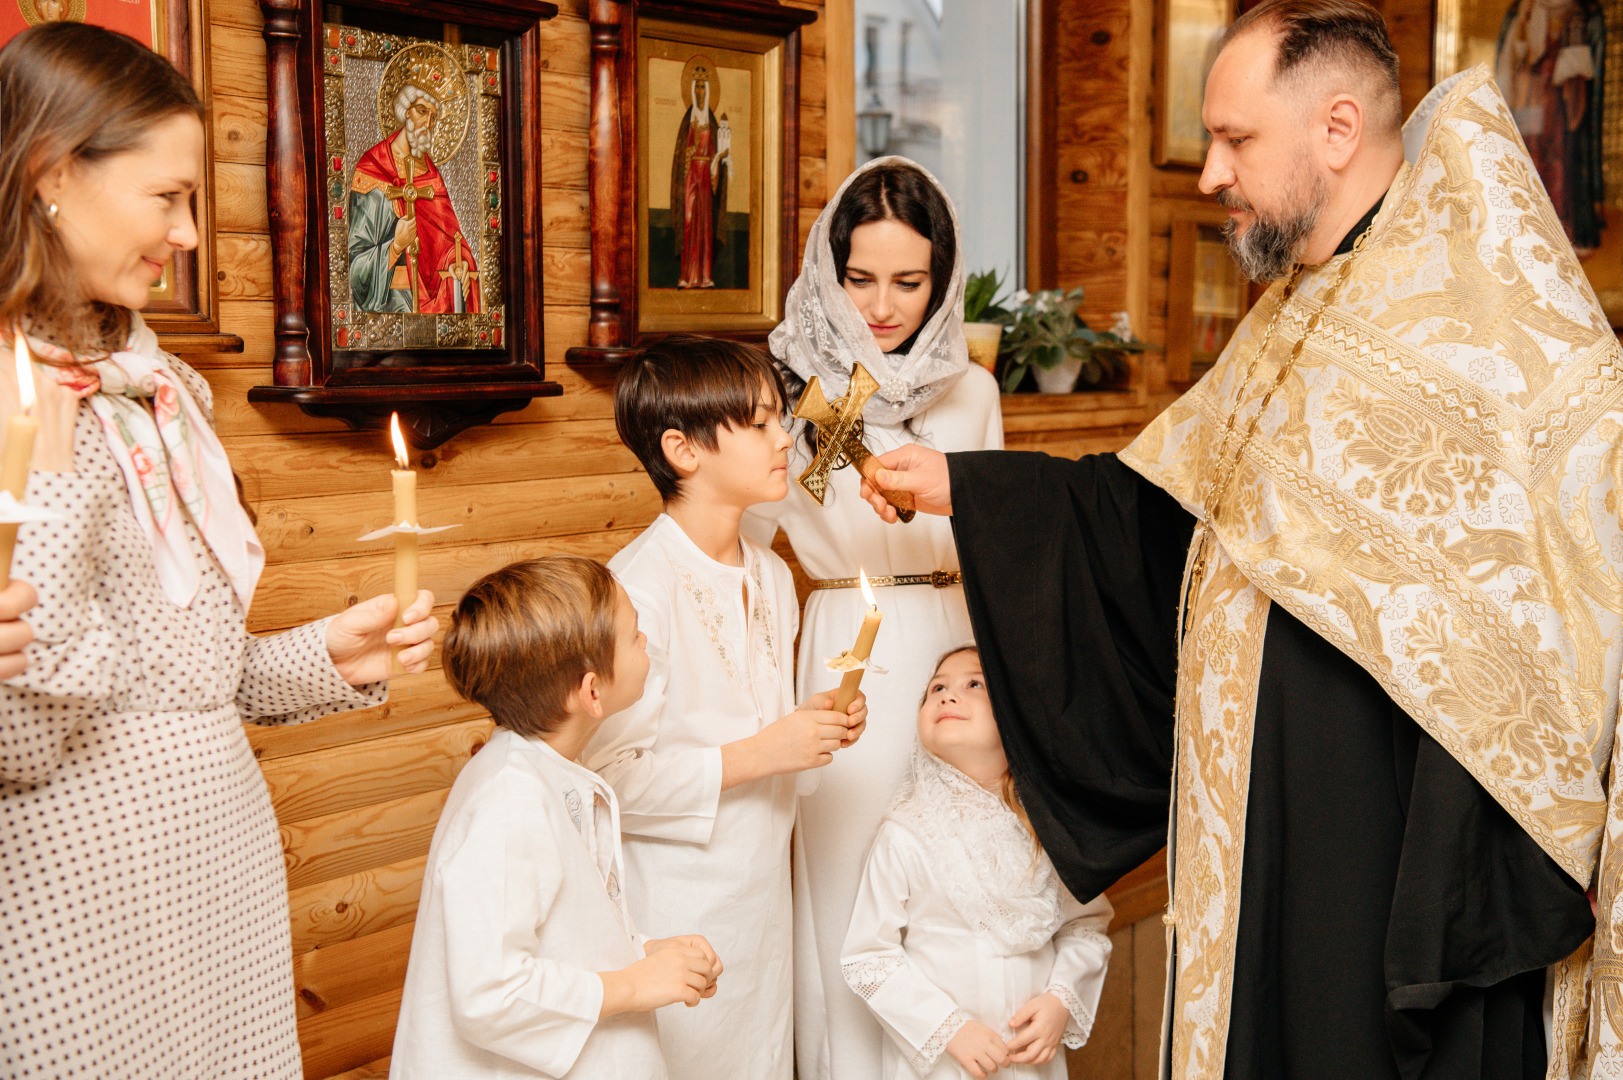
1435 488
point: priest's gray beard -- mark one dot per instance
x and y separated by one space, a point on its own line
1272 245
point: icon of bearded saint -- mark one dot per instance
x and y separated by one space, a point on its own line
406 250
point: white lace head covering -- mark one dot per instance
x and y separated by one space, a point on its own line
823 334
981 853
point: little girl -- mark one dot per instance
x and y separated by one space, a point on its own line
963 939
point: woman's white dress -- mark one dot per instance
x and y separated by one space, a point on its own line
144 930
836 1037
926 971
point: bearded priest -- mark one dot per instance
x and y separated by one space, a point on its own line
1354 603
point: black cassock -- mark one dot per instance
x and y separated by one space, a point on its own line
1394 920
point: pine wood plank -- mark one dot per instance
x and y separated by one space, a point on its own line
813 36
813 133
349 1038
813 79
375 1070
240 205
564 156
243 13
565 45
243 266
356 904
327 782
566 220
276 467
351 971
239 128
1067 445
237 59
566 275
1079 420
813 180
415 702
326 527
291 593
356 840
566 100
583 398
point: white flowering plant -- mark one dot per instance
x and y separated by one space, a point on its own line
1044 328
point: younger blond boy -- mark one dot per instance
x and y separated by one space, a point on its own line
525 960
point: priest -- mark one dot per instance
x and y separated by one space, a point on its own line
1353 604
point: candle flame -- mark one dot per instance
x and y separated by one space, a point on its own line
399 443
867 591
25 373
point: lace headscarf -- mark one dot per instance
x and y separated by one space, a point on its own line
981 854
824 334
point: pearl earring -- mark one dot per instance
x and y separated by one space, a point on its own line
51 211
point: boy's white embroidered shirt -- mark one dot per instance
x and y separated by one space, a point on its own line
700 860
523 903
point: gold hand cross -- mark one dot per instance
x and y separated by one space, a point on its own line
839 438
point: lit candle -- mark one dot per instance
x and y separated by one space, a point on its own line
19 451
859 651
405 543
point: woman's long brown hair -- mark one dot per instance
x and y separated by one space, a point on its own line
69 92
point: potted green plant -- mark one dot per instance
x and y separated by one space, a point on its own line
1046 334
983 326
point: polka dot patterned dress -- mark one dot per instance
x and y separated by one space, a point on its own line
143 898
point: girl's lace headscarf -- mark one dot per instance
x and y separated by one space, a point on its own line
823 334
979 850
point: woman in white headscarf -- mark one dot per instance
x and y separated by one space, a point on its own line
882 283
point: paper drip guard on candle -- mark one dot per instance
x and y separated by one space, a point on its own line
402 527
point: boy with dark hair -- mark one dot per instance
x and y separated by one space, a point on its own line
702 766
525 960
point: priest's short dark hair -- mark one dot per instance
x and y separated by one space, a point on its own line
695 385
1320 35
524 636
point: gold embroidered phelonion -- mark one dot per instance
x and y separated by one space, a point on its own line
1217 487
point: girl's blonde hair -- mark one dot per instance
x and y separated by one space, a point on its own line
1006 791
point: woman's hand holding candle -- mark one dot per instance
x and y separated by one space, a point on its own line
363 639
15 599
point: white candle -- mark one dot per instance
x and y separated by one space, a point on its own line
19 451
870 629
405 543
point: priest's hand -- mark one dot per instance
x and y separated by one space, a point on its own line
978 1049
362 639
672 971
15 599
917 471
1038 1027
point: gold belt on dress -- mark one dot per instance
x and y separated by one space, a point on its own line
940 579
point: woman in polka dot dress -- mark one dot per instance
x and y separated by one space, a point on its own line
143 900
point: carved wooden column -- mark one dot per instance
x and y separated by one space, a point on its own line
285 166
606 162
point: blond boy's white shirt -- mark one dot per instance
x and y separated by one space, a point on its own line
523 903
700 860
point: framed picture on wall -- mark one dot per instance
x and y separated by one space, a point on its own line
1186 33
1207 296
1552 61
404 179
183 300
710 174
694 152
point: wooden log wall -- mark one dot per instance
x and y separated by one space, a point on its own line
1104 210
357 795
